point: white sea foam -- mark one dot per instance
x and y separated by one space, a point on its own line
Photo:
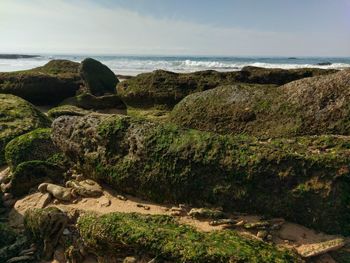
135 65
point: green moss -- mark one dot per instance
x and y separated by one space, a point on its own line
7 235
168 88
304 179
35 145
164 238
88 101
16 118
152 114
32 173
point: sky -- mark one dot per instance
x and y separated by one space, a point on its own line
176 27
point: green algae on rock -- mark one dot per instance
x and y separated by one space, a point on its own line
168 88
16 118
164 238
35 145
30 174
304 179
47 85
66 110
311 106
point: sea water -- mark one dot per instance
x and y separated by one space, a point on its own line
133 65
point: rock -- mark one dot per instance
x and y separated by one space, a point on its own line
9 203
130 260
44 200
104 201
32 173
7 196
66 110
46 226
146 207
311 250
35 145
121 197
311 106
168 88
58 192
66 232
4 175
88 101
206 213
16 118
324 64
165 163
262 234
223 222
98 78
163 235
241 223
257 225
85 188
47 85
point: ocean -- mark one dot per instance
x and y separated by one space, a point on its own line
133 65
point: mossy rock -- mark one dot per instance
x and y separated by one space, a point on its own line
45 227
164 238
47 85
16 118
28 175
7 235
168 88
90 102
311 106
303 179
35 145
66 110
98 78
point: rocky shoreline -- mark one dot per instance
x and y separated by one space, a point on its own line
248 166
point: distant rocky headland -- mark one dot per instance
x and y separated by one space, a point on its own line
244 166
17 56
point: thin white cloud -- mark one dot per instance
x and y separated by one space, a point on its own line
83 27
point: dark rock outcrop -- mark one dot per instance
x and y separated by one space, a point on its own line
90 102
305 179
16 118
310 106
98 78
47 85
167 88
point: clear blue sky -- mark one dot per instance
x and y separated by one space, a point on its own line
221 27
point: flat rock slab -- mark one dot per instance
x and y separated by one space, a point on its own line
311 250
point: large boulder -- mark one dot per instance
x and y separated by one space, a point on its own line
167 88
98 78
16 118
305 179
47 85
162 237
311 106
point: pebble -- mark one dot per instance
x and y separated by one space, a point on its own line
240 223
121 197
223 222
175 213
104 201
146 207
7 196
262 234
130 260
66 232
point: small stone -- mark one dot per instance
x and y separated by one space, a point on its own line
223 222
75 201
56 202
104 201
269 237
66 232
262 234
206 213
176 209
240 223
146 207
7 196
79 177
175 213
257 225
130 260
121 197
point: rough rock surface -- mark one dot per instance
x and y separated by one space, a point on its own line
167 88
16 118
310 106
47 85
66 110
305 179
98 78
